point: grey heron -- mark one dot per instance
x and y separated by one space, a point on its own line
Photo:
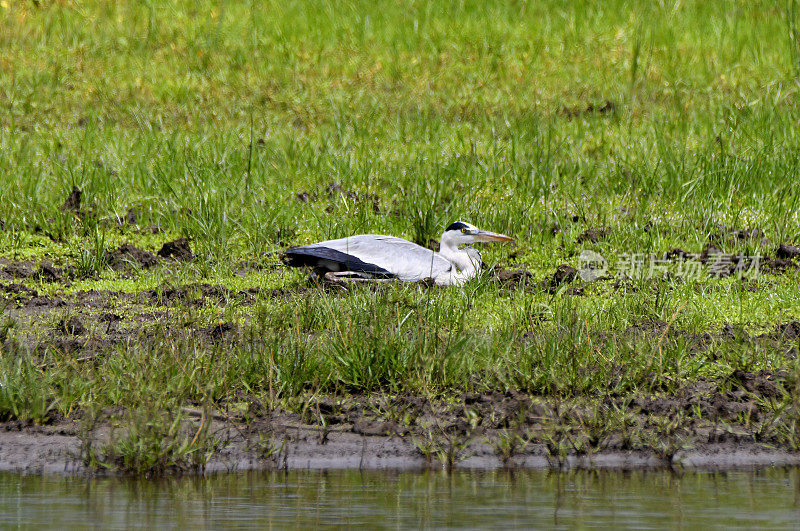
376 256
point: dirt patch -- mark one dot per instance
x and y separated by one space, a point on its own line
777 266
784 260
48 273
646 327
18 270
74 204
177 250
71 326
45 272
91 321
18 292
283 293
593 235
762 384
787 331
787 251
721 264
782 338
511 278
709 253
131 217
202 294
336 189
128 255
564 274
39 304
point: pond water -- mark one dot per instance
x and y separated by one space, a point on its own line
768 497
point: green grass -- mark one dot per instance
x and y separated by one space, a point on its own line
209 118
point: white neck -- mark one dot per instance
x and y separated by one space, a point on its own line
466 263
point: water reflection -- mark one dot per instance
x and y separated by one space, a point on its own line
768 497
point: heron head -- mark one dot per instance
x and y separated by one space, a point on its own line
460 233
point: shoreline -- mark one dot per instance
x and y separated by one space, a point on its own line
53 450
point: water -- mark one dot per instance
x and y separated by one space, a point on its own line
745 499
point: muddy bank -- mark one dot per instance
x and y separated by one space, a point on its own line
703 424
728 420
57 450
741 414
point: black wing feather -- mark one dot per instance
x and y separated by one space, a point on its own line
317 256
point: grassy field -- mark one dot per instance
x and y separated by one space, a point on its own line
624 128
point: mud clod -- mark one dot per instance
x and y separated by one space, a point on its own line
71 326
564 275
624 284
45 303
777 266
787 331
128 255
48 273
18 291
218 331
593 235
786 251
748 234
177 250
762 383
514 277
18 270
709 252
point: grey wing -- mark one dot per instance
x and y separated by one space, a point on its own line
376 254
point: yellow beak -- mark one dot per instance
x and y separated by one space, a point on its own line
486 236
